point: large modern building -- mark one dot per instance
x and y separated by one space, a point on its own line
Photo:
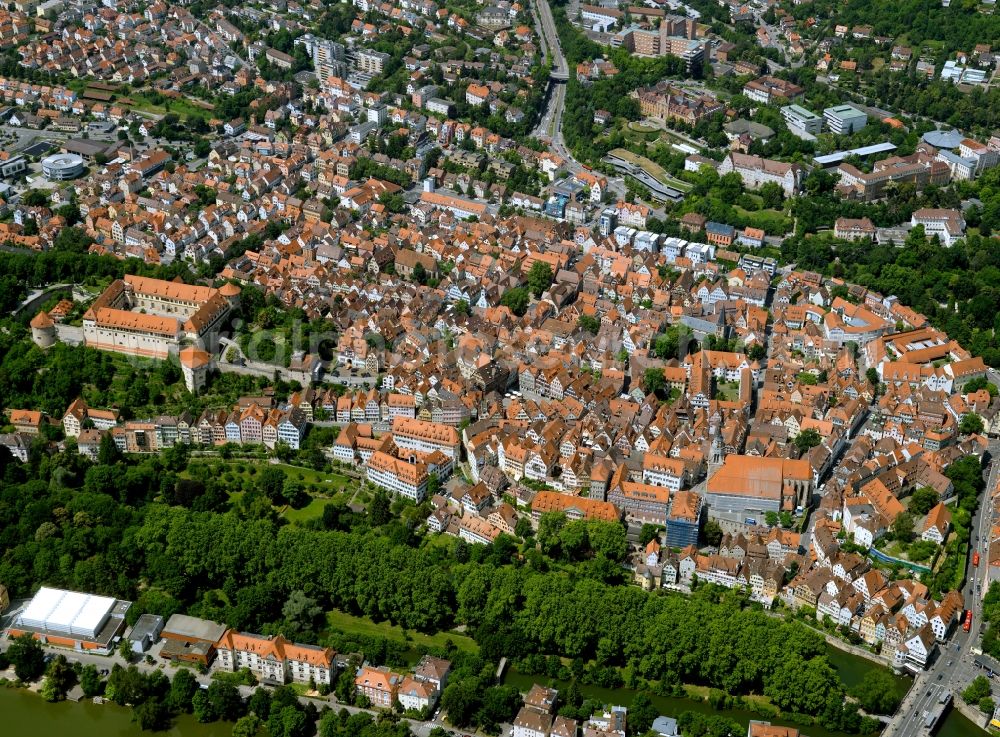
153 318
844 119
667 102
919 168
275 659
660 42
61 167
756 171
802 120
72 619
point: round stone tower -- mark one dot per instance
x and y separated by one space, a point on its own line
43 330
232 294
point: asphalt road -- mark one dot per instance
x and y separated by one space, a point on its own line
550 123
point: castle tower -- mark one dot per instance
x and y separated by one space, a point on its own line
195 365
43 330
232 294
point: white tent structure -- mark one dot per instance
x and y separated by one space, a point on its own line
67 612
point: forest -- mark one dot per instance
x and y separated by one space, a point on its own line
108 528
959 26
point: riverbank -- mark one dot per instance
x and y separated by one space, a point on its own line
26 713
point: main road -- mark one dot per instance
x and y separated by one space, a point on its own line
550 123
953 668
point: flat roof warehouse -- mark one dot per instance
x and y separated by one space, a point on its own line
72 618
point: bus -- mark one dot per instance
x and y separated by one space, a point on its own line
967 624
975 558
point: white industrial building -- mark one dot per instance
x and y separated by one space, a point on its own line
72 619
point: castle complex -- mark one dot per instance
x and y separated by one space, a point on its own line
152 318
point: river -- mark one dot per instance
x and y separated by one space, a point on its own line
25 714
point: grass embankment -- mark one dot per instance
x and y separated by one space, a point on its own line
652 168
350 624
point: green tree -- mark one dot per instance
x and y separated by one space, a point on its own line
539 277
59 678
902 527
923 500
772 194
641 714
550 525
379 510
225 700
713 533
90 681
802 685
26 655
589 323
877 692
35 198
654 382
807 439
977 690
302 614
516 300
151 715
203 710
247 726
608 539
272 482
288 721
461 700
971 424
648 532
183 687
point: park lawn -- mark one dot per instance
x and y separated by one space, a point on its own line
727 391
179 106
349 624
329 482
313 510
774 222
